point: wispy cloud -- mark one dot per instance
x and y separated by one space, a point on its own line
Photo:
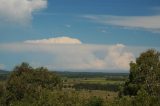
74 57
156 9
20 11
68 26
150 23
104 31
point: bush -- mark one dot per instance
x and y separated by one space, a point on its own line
95 101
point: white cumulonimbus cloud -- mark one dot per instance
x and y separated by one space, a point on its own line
57 40
59 55
118 58
20 11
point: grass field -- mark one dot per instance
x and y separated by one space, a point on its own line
101 84
96 80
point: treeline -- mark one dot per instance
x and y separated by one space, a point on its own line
4 75
88 86
91 74
4 72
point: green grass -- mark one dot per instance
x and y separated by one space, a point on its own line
100 81
105 95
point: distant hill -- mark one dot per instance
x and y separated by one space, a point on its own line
4 72
4 75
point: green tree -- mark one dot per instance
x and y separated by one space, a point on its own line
144 74
27 82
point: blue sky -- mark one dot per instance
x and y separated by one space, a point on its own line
120 28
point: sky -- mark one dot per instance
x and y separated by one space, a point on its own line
77 35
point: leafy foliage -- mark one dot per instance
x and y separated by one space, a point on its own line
144 74
25 80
